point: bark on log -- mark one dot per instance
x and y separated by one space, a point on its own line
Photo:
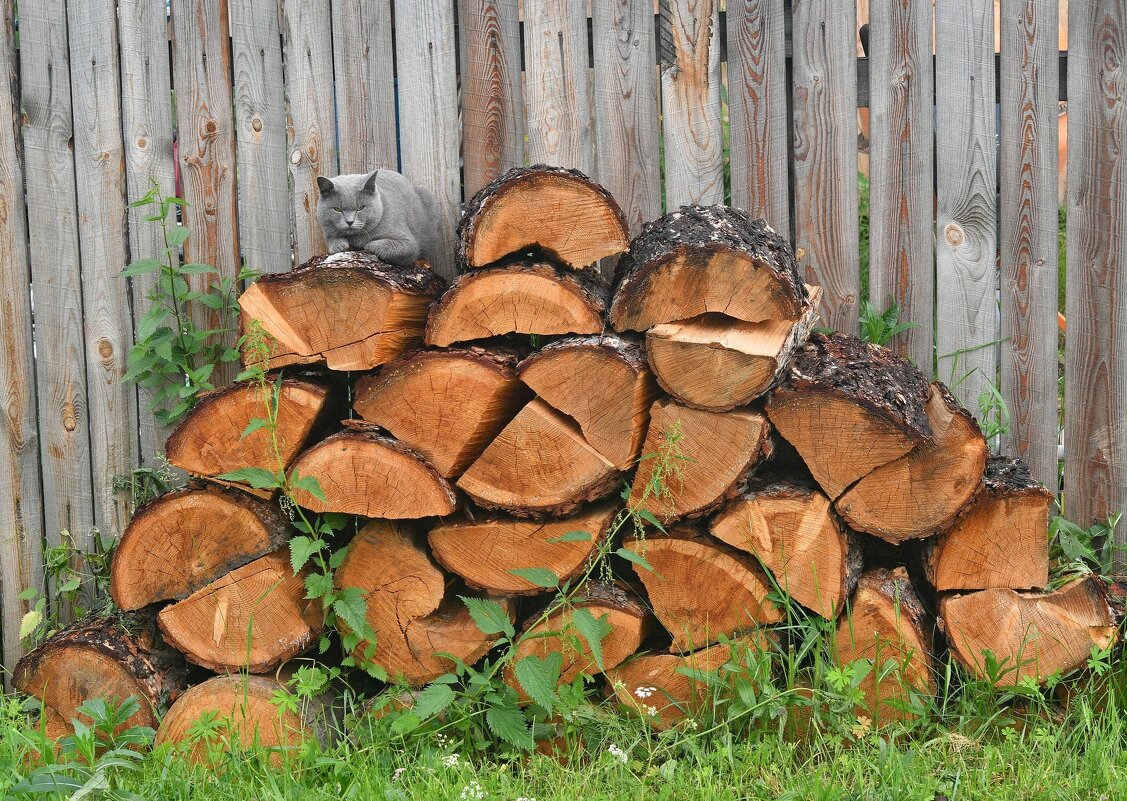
557 211
718 363
349 311
603 384
849 407
706 259
522 296
182 540
445 404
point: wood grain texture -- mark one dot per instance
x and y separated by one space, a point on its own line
306 26
260 141
757 106
901 249
825 157
1095 375
201 66
1028 172
364 77
21 503
557 99
627 108
428 111
492 105
60 369
99 159
146 119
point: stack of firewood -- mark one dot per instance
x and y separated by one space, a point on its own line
472 429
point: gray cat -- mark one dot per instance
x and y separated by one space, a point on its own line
380 212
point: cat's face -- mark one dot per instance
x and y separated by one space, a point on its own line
349 203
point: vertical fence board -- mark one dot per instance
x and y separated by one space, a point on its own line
146 107
55 269
825 157
757 108
201 63
690 102
557 101
260 141
1095 432
626 105
1028 166
21 500
364 69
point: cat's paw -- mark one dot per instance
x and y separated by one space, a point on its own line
392 251
337 245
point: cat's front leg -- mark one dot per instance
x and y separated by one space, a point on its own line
403 251
337 245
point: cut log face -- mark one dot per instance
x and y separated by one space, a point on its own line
486 552
792 530
447 404
922 492
704 259
208 442
887 625
521 297
362 472
349 311
1000 540
182 540
1030 634
559 211
603 384
407 609
718 451
702 590
253 619
539 465
849 407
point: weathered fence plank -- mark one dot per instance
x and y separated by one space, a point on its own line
364 69
429 108
1028 184
825 157
901 250
260 141
492 105
557 101
1095 372
757 108
21 499
690 102
626 106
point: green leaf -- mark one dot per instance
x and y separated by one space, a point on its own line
311 485
432 701
593 631
648 516
572 536
539 677
317 585
635 557
508 723
539 576
257 477
351 607
301 548
406 723
253 426
489 616
176 236
30 622
141 267
195 268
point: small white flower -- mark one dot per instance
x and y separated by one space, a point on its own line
691 724
525 798
651 711
398 773
450 760
619 685
442 739
617 753
472 792
645 692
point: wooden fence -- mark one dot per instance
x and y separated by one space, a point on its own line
239 104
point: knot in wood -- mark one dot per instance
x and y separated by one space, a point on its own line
954 234
295 157
142 142
105 348
210 128
256 124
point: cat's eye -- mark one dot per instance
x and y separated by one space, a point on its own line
339 210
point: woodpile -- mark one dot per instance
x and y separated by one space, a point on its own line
487 437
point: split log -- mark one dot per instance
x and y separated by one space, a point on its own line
704 259
886 624
362 472
349 311
702 590
524 296
849 407
182 540
414 620
921 493
694 460
1029 634
539 465
792 530
208 441
486 552
558 211
717 362
111 657
253 619
602 383
1000 540
445 404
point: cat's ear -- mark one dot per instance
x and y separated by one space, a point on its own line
325 185
370 183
